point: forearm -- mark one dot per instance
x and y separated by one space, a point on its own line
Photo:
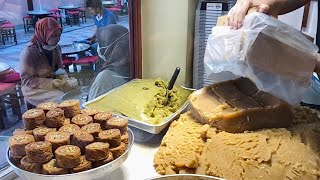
285 6
35 82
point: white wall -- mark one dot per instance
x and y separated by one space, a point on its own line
167 38
294 19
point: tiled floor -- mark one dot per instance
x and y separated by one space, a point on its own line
10 52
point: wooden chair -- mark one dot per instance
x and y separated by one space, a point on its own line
74 17
28 22
58 17
82 14
66 62
55 10
6 90
87 60
14 77
8 30
85 76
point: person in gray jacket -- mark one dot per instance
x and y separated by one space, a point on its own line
113 49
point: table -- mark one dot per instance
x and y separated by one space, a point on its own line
38 14
4 68
67 8
74 48
108 3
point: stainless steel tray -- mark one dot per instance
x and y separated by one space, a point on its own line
185 177
96 173
153 129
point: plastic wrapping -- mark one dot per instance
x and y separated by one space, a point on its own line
276 57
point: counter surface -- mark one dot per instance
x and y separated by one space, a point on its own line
138 166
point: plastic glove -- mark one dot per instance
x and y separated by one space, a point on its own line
62 85
240 9
73 82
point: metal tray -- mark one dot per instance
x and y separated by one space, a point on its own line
151 128
185 177
96 173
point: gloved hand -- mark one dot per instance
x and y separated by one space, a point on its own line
62 85
240 9
73 82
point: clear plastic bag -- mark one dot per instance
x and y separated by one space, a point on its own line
276 57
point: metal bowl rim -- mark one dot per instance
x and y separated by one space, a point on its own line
73 174
185 175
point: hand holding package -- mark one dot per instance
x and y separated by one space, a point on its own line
276 57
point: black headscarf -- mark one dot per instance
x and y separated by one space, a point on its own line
117 55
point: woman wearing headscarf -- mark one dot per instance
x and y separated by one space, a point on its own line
38 62
113 48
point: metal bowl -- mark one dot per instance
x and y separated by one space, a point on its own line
185 177
149 128
99 172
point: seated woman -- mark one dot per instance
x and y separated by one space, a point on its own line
113 48
39 61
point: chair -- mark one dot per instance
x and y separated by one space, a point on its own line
86 76
6 89
14 77
116 10
58 17
28 21
82 12
8 30
88 60
66 62
74 17
55 10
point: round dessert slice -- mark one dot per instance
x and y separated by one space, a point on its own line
118 123
97 151
47 106
55 118
102 118
70 128
40 132
82 139
118 151
111 136
83 166
81 120
21 131
33 118
66 121
39 152
92 128
68 156
18 142
71 108
15 159
57 139
26 165
125 138
51 168
103 162
90 111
